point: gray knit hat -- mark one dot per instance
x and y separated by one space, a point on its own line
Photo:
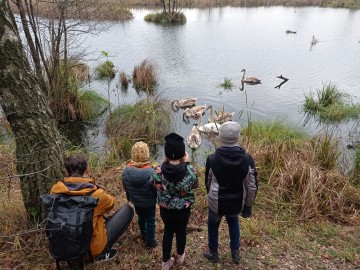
229 133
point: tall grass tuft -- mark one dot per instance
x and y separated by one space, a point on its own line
124 80
105 71
148 120
301 171
70 102
330 105
227 84
144 76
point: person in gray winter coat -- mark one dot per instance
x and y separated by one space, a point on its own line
136 180
231 183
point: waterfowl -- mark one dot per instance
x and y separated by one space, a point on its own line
249 80
195 111
194 138
219 117
208 128
183 103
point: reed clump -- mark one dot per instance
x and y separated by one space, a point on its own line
329 104
148 120
144 76
105 71
124 80
69 101
227 84
302 172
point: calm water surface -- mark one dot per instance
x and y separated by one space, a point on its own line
191 60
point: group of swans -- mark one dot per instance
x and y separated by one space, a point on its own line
197 111
215 120
210 128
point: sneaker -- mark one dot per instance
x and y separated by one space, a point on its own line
212 257
151 243
107 256
167 265
180 258
235 255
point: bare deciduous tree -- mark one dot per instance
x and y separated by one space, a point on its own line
39 151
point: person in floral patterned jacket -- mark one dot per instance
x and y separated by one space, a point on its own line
175 181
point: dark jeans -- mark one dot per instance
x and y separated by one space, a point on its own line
175 222
146 222
117 224
213 231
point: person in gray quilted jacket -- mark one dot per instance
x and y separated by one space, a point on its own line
231 183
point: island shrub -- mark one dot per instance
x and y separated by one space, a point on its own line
165 18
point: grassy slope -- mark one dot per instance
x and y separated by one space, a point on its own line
270 240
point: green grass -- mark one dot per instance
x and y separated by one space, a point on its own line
329 104
105 71
148 120
227 84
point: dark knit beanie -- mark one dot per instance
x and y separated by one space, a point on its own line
174 146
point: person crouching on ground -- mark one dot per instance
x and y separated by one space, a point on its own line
231 183
136 180
105 232
175 181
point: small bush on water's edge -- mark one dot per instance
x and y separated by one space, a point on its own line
148 120
330 105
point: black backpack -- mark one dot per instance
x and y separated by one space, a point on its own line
69 227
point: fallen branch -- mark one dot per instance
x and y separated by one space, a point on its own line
284 81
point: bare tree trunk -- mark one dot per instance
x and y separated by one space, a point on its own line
39 151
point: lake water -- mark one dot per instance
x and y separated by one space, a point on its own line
192 59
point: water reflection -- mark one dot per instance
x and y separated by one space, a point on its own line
191 59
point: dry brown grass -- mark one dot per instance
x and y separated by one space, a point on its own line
144 76
124 80
302 172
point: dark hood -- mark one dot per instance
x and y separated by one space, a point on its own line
174 173
230 166
230 156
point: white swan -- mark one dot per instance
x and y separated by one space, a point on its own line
208 128
194 138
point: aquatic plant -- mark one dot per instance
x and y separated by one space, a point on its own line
69 101
105 71
124 80
330 105
148 120
227 84
144 77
